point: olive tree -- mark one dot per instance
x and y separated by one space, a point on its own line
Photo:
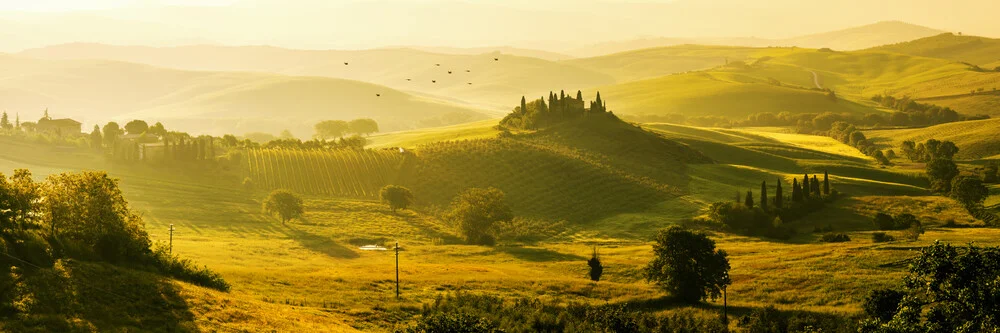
687 265
397 197
284 205
476 211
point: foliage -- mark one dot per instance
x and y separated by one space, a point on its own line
849 134
362 126
341 172
941 172
184 269
883 221
837 237
687 265
284 204
881 237
969 191
453 322
596 268
991 172
537 114
18 198
397 197
771 320
476 211
882 304
136 127
331 129
948 289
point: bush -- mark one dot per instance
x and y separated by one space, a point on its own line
185 270
838 237
883 221
882 303
881 237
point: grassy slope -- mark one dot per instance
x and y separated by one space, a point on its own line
971 49
413 138
221 102
975 139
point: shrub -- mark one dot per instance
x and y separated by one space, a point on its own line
881 237
453 322
397 197
913 232
883 221
284 204
184 269
882 303
477 211
838 237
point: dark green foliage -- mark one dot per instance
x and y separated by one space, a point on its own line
882 303
5 122
772 320
881 237
748 201
837 237
185 269
362 126
796 191
687 265
96 139
826 183
763 195
883 221
476 211
969 190
596 268
948 289
941 172
284 205
397 197
111 133
805 187
779 199
537 115
331 129
453 322
535 315
814 187
848 134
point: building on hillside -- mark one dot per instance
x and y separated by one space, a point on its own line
64 126
152 151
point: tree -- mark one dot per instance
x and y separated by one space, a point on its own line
763 195
882 303
814 186
230 140
136 127
17 121
826 183
779 200
947 290
284 204
397 197
796 191
805 187
524 106
991 172
19 198
687 265
941 172
596 269
476 211
363 126
749 200
969 190
96 140
5 122
111 133
158 129
331 129
286 135
453 322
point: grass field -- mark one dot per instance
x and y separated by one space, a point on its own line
975 139
310 274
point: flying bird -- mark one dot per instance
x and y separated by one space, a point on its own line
470 83
496 59
434 81
468 71
439 65
409 79
378 95
345 64
449 72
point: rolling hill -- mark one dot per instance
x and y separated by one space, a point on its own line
96 91
487 80
975 139
976 50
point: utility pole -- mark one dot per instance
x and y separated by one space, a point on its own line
171 238
725 305
397 269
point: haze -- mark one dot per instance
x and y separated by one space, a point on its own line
550 25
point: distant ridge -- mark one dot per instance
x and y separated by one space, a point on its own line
856 38
981 51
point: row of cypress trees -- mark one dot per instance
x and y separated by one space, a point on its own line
809 188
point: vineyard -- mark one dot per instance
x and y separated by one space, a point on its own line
342 172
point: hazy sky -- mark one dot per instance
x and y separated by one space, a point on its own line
551 24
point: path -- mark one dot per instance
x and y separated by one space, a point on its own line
816 80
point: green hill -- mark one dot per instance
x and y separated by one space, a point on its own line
975 139
976 50
217 102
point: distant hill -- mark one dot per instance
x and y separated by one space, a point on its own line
202 101
516 51
856 38
980 51
488 80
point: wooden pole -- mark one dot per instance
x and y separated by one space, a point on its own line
397 269
725 305
171 238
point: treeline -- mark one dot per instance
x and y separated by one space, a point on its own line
850 135
537 114
946 179
765 215
333 129
81 216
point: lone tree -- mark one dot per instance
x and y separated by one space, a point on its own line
948 289
763 195
362 126
687 265
596 269
136 127
476 211
284 205
749 200
331 129
397 197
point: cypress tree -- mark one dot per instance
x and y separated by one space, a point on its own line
739 197
600 105
749 200
763 195
778 200
211 148
544 108
805 187
796 191
826 183
524 105
814 186
579 95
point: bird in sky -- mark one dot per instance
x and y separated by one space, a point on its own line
345 63
378 95
470 83
468 71
439 65
434 81
409 79
449 72
496 59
